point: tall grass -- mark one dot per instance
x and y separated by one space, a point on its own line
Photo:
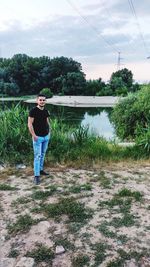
66 145
14 135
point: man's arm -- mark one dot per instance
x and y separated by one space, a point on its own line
48 122
30 127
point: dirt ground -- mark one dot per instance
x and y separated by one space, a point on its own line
104 220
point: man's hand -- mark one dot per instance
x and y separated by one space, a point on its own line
35 138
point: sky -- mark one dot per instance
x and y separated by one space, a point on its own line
104 36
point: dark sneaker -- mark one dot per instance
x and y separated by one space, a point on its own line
37 180
43 173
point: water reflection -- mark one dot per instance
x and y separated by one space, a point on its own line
99 124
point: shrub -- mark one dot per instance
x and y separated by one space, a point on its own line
132 113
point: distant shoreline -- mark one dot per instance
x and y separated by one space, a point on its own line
81 101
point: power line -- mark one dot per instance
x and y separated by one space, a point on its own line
93 27
138 25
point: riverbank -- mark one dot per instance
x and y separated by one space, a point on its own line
81 101
76 217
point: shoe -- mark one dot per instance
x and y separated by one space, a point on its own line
37 180
43 173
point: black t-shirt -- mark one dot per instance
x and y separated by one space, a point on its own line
40 125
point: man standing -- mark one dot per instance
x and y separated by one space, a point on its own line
39 127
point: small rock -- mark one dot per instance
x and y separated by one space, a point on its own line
25 262
20 166
60 250
60 189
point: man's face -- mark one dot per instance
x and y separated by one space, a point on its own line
41 101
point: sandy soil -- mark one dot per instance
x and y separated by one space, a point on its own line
91 187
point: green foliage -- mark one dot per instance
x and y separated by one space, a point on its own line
14 253
27 75
41 253
80 135
143 138
75 210
132 114
47 92
23 224
7 187
94 87
80 260
14 134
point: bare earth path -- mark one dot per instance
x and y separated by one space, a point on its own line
76 217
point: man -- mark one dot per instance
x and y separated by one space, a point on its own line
39 127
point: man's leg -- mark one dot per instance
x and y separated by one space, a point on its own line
37 145
43 151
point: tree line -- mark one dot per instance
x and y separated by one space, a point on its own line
25 75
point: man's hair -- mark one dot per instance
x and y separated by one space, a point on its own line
41 95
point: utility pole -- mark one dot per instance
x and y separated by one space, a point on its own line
119 61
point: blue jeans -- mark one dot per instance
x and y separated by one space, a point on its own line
40 146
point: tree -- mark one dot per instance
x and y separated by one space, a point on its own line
121 81
73 83
94 87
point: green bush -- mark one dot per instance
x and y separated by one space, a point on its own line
131 113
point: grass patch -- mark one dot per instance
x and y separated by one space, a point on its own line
39 195
78 188
7 187
21 200
100 253
41 253
80 260
127 220
68 206
128 193
23 224
104 229
124 256
60 241
14 253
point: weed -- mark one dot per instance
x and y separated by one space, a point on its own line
100 253
128 193
6 187
41 253
80 260
21 200
79 188
65 243
123 256
103 228
14 253
75 210
42 194
127 220
23 224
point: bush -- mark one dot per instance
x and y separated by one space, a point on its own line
132 113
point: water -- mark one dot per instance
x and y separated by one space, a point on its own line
97 119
